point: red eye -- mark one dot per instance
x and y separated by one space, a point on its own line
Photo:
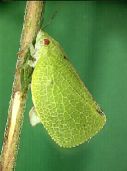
46 41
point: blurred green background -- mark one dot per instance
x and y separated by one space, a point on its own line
94 35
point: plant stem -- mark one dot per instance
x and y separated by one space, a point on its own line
32 20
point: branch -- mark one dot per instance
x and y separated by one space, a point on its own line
31 26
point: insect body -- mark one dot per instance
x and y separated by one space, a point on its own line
61 100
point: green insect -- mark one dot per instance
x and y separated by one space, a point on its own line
61 101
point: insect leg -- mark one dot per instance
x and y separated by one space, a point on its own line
34 120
